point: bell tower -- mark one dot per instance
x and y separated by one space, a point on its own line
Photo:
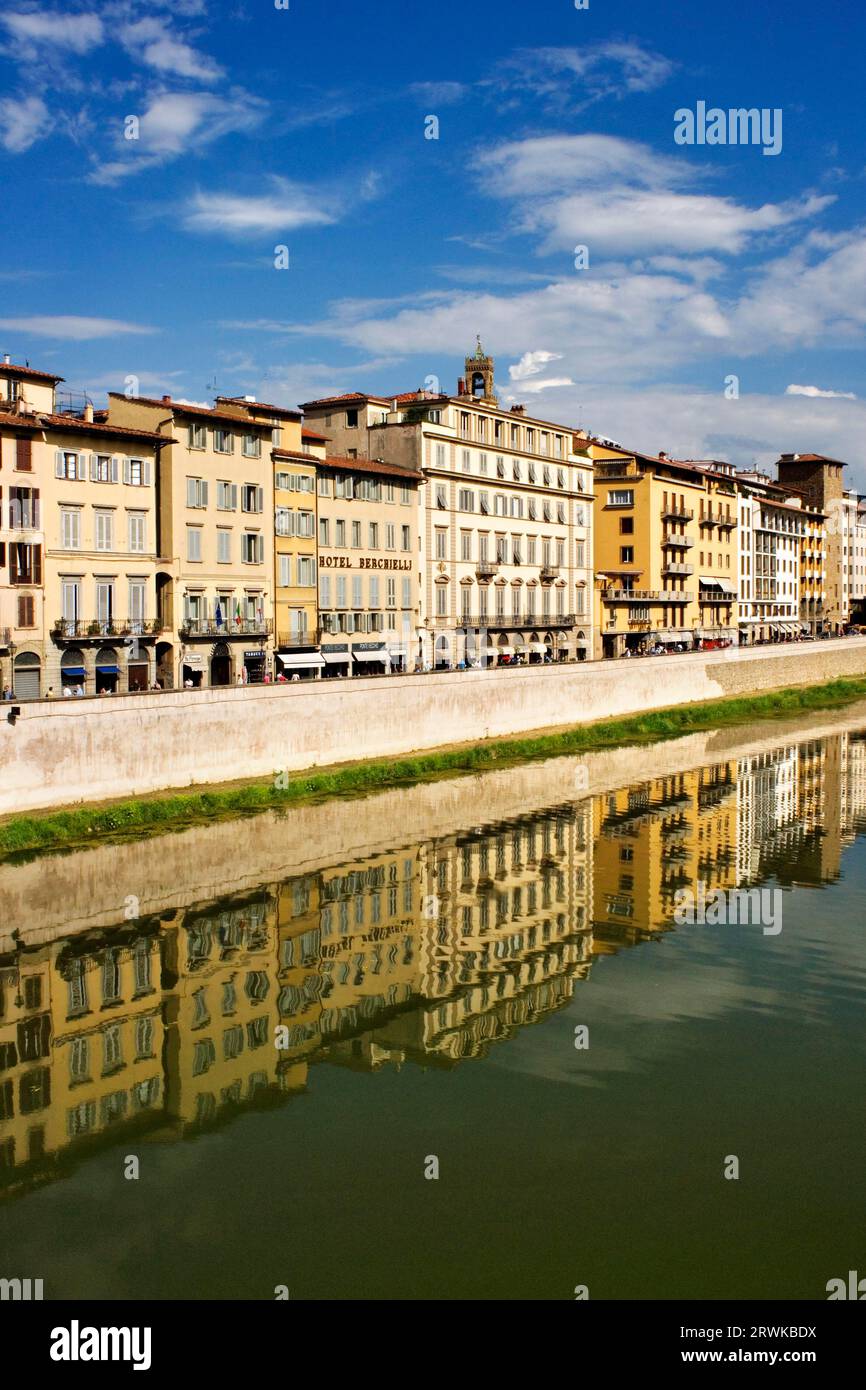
478 381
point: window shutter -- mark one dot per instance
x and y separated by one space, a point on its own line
234 496
115 468
146 472
204 492
13 563
260 549
260 499
190 492
58 463
127 471
23 456
37 564
2 554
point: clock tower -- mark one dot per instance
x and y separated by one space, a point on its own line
478 381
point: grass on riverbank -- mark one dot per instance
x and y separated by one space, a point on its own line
23 836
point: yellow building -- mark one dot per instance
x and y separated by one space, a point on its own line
78 545
216 539
666 551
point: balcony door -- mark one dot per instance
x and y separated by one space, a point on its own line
70 591
104 604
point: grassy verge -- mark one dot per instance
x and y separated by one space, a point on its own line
23 836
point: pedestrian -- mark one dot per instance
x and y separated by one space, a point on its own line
49 694
67 692
239 680
79 689
7 692
187 685
296 677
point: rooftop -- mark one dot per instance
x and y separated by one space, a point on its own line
13 369
369 466
199 411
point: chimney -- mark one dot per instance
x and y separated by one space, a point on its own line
461 386
662 454
166 400
88 412
6 359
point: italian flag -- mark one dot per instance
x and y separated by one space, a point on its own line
237 613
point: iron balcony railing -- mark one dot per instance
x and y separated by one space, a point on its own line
550 571
100 627
678 542
646 596
677 569
676 513
502 621
486 569
226 627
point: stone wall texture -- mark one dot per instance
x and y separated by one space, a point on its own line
58 753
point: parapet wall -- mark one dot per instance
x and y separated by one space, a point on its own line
60 753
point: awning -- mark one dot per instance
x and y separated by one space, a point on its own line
335 658
305 659
537 646
505 651
371 656
722 586
491 651
77 671
107 671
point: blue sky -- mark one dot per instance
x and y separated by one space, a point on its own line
305 127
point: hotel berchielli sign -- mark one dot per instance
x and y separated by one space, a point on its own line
364 562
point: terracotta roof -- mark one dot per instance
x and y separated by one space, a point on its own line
11 420
811 458
291 454
347 396
369 466
311 434
15 370
262 405
199 411
72 422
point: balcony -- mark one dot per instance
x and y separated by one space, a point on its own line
487 569
632 595
94 629
677 542
677 569
228 627
676 513
549 572
502 622
726 599
308 637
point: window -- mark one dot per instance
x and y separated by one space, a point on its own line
341 591
193 543
251 446
466 460
580 554
252 548
70 528
441 497
136 472
500 466
324 591
465 545
560 477
441 601
351 419
223 441
196 492
324 531
389 492
390 592
285 571
390 537
224 546
69 465
373 532
626 526
374 591
252 498
407 591
324 487
356 535
626 554
227 497
621 497
560 513
306 525
466 499
340 535
104 527
405 494
101 470
405 538
197 436
26 610
136 523
357 594
441 544
306 572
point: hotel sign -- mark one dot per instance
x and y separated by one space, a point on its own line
365 562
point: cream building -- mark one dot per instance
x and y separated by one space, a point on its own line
505 517
79 539
772 528
215 575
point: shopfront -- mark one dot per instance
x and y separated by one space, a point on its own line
256 665
370 659
306 665
192 671
337 659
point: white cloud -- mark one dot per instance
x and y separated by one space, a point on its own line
23 121
177 123
435 94
78 33
531 364
541 383
286 209
619 197
152 42
816 392
72 327
570 79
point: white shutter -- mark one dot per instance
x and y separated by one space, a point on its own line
58 463
127 471
146 472
234 496
93 468
115 468
204 492
190 492
260 499
260 549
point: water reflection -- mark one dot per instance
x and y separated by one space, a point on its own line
425 953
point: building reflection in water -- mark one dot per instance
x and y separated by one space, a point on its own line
428 953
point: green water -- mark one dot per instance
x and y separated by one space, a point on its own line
429 994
